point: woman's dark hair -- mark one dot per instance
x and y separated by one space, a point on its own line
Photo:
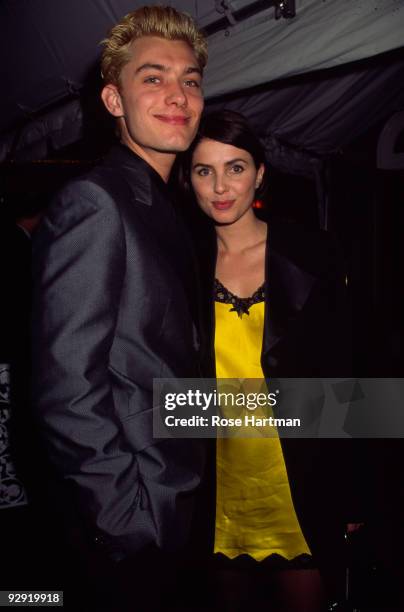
230 128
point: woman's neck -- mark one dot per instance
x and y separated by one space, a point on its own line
245 233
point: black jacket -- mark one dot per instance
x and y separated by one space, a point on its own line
307 334
114 284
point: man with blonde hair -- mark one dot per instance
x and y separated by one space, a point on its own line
113 303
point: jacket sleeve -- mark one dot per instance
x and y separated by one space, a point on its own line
79 267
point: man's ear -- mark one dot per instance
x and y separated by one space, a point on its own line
112 100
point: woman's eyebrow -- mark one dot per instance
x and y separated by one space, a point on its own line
237 159
227 163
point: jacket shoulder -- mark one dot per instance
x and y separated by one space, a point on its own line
77 199
311 248
103 185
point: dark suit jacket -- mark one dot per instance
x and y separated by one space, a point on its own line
306 335
113 284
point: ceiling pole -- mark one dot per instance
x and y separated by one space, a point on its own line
283 8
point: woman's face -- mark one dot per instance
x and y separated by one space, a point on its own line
224 179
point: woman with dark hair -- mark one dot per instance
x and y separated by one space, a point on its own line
274 309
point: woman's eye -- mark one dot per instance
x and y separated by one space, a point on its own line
203 172
237 169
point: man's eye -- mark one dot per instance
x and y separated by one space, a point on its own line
192 83
152 79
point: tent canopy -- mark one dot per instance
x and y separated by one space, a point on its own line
53 50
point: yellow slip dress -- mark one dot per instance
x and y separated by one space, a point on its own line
254 508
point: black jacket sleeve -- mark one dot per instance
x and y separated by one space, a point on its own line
79 267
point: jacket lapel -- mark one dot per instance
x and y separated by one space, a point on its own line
142 187
136 185
287 287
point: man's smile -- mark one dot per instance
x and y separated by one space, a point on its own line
173 119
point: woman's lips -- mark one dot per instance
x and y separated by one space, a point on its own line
222 204
173 119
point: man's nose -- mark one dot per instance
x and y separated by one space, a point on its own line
176 94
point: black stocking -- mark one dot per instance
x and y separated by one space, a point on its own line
294 590
297 590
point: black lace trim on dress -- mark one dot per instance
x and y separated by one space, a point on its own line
240 305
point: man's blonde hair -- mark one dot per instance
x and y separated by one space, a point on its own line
163 21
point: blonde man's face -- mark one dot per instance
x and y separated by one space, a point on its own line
160 100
